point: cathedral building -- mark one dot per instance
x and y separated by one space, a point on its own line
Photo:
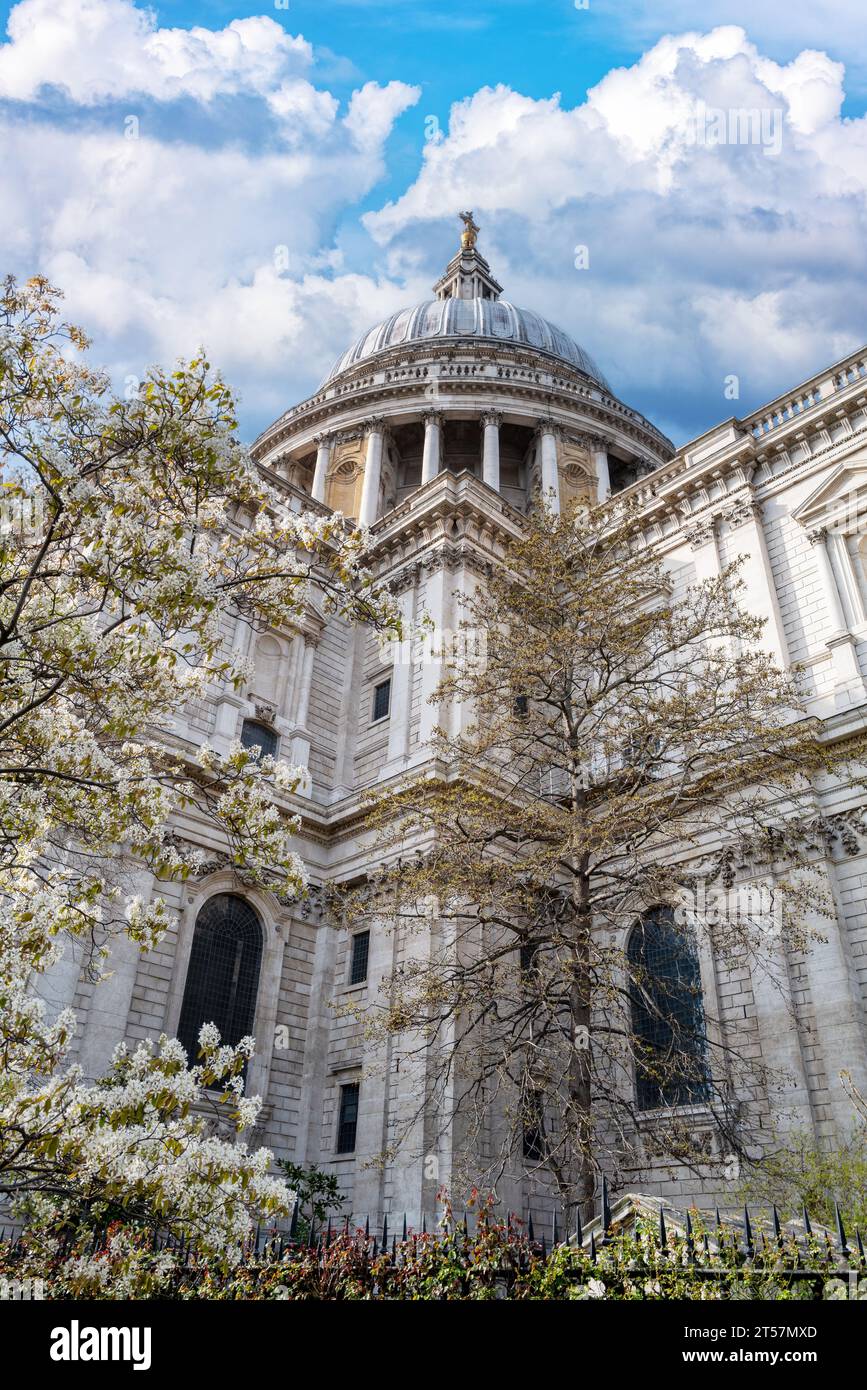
436 430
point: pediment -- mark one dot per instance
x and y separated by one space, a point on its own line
840 501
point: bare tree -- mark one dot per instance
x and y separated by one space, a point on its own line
620 754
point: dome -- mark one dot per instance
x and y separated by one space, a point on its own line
487 320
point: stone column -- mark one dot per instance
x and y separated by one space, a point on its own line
836 1007
401 686
491 449
108 1013
430 464
548 460
762 599
840 641
372 472
789 1090
600 464
320 473
300 754
705 549
229 702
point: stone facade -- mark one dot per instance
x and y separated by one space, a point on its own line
436 432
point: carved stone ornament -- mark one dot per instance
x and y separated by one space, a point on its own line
702 534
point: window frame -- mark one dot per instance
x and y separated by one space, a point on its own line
384 684
698 1090
273 750
354 952
206 954
341 1148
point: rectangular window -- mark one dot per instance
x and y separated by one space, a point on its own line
347 1123
529 950
360 956
534 1131
381 699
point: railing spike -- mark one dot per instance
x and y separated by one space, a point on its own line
385 1231
555 1234
530 1231
592 1248
777 1229
403 1237
293 1225
606 1207
748 1231
579 1234
841 1230
663 1234
808 1229
860 1244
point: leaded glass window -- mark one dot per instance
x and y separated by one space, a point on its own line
223 973
347 1121
256 735
668 1022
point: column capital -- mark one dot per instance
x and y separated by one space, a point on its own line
817 535
491 417
702 534
545 424
744 510
374 424
433 417
324 439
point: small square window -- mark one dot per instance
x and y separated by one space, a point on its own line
381 699
360 956
347 1123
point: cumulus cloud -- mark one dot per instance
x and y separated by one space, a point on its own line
100 49
163 244
705 259
837 26
721 198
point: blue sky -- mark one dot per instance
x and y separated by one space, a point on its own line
294 175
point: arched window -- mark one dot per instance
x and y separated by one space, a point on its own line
256 735
668 1025
223 973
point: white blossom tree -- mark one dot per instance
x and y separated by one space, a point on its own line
134 530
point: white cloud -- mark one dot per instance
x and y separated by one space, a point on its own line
704 261
836 26
104 49
163 244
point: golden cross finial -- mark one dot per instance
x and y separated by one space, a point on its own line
470 232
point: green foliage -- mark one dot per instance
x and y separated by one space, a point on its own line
492 1262
800 1174
317 1192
